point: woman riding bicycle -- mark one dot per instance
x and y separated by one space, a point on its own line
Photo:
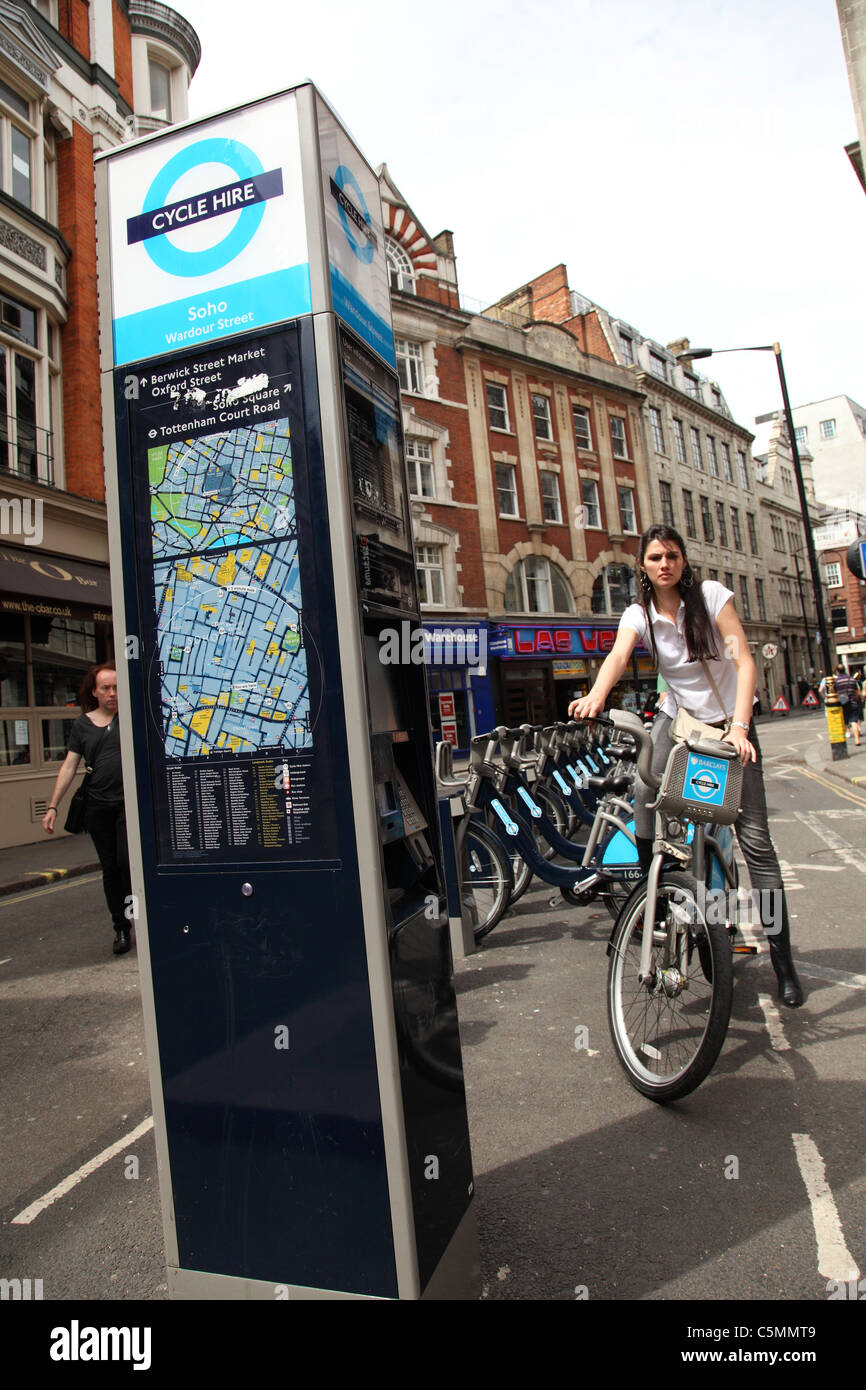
702 652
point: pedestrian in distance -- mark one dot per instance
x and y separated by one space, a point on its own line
848 692
701 651
95 737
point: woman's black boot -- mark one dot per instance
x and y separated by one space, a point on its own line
644 853
790 989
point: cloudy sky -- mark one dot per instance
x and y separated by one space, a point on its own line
684 158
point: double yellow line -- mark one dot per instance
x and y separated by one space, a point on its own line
833 786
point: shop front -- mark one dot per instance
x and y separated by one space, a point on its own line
55 622
459 683
539 669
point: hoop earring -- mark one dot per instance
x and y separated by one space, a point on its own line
688 578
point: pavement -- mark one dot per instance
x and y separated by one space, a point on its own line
32 866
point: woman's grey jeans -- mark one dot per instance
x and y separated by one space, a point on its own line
751 826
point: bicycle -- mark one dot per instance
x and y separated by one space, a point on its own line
670 986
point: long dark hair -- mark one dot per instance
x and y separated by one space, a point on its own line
86 698
700 629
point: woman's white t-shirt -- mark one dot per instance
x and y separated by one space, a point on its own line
688 687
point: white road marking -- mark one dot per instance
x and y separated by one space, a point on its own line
6 960
837 977
821 868
30 1213
854 858
789 878
834 1258
775 1028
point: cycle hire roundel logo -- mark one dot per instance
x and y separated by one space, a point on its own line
703 781
245 196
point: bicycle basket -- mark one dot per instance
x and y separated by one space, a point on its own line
701 784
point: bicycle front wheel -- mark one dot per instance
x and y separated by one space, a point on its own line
486 879
668 1029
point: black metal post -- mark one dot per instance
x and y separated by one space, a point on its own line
825 656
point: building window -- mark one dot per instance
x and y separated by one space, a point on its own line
697 456
42 664
410 365
723 525
679 441
656 429
735 528
729 580
689 509
401 272
833 574
419 463
537 586
692 387
778 534
160 91
613 590
787 482
431 575
753 533
707 519
541 417
550 508
626 510
711 455
658 366
667 501
714 575
627 349
497 407
726 464
48 10
744 595
16 145
506 489
762 604
801 433
591 508
828 429
25 447
617 437
582 427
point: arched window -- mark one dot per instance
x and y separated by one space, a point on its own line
400 268
537 586
613 590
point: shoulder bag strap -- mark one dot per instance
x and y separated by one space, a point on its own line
709 675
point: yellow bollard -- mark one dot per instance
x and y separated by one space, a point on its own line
835 721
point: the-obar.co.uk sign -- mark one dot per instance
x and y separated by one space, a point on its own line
521 641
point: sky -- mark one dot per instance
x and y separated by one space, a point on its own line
685 159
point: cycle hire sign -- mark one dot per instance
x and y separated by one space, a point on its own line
705 780
208 234
357 264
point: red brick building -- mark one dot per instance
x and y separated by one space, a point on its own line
528 475
76 76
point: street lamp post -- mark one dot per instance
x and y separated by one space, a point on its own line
692 354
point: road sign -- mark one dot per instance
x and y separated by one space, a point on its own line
769 650
781 706
810 699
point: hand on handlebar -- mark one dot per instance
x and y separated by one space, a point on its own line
586 707
745 750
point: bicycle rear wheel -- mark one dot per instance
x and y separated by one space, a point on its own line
486 879
668 1030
